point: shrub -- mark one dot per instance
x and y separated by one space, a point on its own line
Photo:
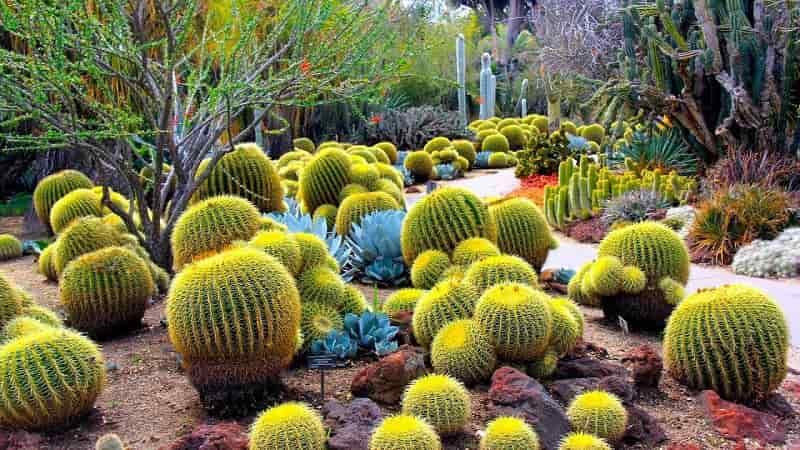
218 352
10 247
414 127
53 187
280 245
404 432
732 339
85 235
420 164
583 441
522 230
289 426
211 226
500 269
778 258
77 203
461 349
765 168
542 155
323 178
449 300
106 291
634 206
356 206
428 268
402 302
666 152
440 400
598 413
509 433
245 172
442 220
473 250
495 143
49 396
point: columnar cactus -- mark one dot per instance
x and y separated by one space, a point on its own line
428 268
324 177
449 300
211 226
49 396
10 247
461 78
442 220
522 231
403 432
85 235
290 426
245 172
51 188
598 413
259 342
509 433
440 400
461 349
733 339
106 291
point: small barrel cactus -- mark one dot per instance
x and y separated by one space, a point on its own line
500 269
326 212
46 264
509 433
318 320
522 230
583 441
365 174
428 268
22 326
49 396
402 302
259 343
321 285
518 320
10 247
466 150
440 400
353 301
85 235
313 251
356 206
305 144
436 144
543 367
106 291
403 432
290 426
420 164
449 300
495 143
53 187
280 245
598 413
76 204
390 150
566 329
733 339
473 250
324 177
109 441
42 314
10 301
461 349
211 226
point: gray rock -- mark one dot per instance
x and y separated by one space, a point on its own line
351 424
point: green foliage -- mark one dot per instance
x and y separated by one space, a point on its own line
500 269
509 433
518 320
420 164
403 432
289 426
442 220
440 400
428 268
733 339
211 226
542 155
323 178
77 203
356 206
583 441
321 285
222 350
522 231
402 301
10 247
461 349
281 245
666 152
106 291
52 187
449 300
85 235
598 413
49 396
495 143
473 250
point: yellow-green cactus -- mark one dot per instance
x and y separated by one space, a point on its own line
428 268
10 247
402 302
313 251
436 144
46 264
321 285
420 164
522 230
403 432
449 300
515 136
440 400
324 177
598 413
353 301
85 235
10 301
305 144
544 366
583 441
494 270
290 426
318 320
78 203
390 150
566 330
356 206
495 143
461 349
473 250
53 187
280 245
326 212
366 175
466 150
509 433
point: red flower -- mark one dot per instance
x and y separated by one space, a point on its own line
376 119
305 67
480 100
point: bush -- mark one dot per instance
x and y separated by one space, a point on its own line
10 247
412 128
633 207
106 291
522 230
767 169
449 300
733 339
403 432
289 426
778 258
598 413
509 433
542 155
461 349
53 187
440 400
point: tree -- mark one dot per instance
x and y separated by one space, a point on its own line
149 82
516 13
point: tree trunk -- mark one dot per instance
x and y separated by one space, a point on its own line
513 29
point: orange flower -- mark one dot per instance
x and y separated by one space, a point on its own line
305 67
376 119
480 100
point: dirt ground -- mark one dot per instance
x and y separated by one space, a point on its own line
149 402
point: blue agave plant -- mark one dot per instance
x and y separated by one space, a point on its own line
408 179
577 143
482 160
298 222
337 342
401 158
372 331
376 253
446 172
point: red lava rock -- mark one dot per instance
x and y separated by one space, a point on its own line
384 381
793 386
351 424
221 436
19 440
645 365
737 422
584 348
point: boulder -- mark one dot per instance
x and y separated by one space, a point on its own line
225 435
588 367
566 390
351 424
385 380
643 430
619 386
513 393
645 365
737 422
19 440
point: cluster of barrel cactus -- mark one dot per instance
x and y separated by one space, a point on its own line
585 186
53 187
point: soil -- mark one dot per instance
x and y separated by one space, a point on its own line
148 401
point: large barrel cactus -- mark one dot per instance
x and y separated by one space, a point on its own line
449 300
64 374
234 318
494 270
733 339
85 235
78 203
290 426
522 230
106 291
323 178
356 206
598 413
10 301
245 172
639 274
10 247
211 226
442 220
463 350
440 400
55 186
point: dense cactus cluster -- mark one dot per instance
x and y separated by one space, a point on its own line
53 187
10 247
440 400
500 269
733 339
290 426
473 250
522 231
